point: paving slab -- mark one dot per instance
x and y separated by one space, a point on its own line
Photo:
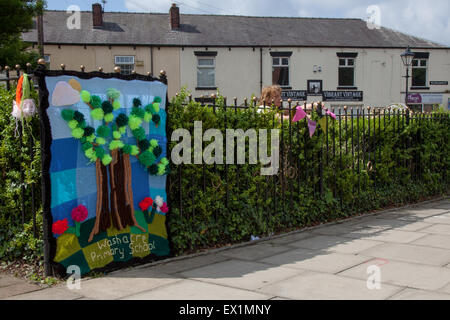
440 219
320 261
124 284
414 294
18 288
434 240
402 225
405 274
423 211
335 229
197 290
187 264
7 280
56 293
390 235
322 286
255 252
289 238
443 229
240 274
410 253
335 244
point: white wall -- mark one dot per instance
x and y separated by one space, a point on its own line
378 72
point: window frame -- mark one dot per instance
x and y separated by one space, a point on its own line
419 66
281 65
121 64
213 67
347 65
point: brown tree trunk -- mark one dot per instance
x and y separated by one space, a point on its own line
121 214
103 220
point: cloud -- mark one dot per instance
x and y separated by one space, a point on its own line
419 18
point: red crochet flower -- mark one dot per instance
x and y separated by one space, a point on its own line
164 208
146 203
79 213
60 226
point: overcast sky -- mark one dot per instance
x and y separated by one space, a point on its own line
425 19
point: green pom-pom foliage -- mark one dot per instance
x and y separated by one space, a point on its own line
97 114
116 144
116 105
157 99
117 135
134 122
154 143
86 146
157 151
147 117
161 169
109 117
90 154
149 108
77 133
100 141
156 119
164 161
67 114
91 138
82 124
103 131
138 112
126 149
143 144
72 124
100 152
122 120
85 96
153 169
88 131
122 130
78 116
139 133
147 158
106 160
156 107
134 150
96 102
107 107
112 93
137 102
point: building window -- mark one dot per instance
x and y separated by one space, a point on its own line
47 61
280 71
126 64
419 72
346 72
206 72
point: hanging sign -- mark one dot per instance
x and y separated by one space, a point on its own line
342 96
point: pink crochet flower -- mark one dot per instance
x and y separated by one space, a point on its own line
79 213
164 208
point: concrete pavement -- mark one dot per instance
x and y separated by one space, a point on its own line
410 247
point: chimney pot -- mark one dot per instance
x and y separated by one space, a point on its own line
97 15
174 14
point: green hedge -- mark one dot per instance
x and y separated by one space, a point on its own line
255 207
16 239
255 203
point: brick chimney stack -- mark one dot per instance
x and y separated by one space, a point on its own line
174 17
97 15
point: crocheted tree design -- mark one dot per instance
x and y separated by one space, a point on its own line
115 158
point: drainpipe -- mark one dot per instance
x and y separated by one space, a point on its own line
151 60
260 69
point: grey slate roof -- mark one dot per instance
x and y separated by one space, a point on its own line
221 30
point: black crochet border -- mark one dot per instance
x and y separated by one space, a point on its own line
53 268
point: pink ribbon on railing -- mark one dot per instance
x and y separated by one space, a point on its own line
312 127
331 114
299 115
